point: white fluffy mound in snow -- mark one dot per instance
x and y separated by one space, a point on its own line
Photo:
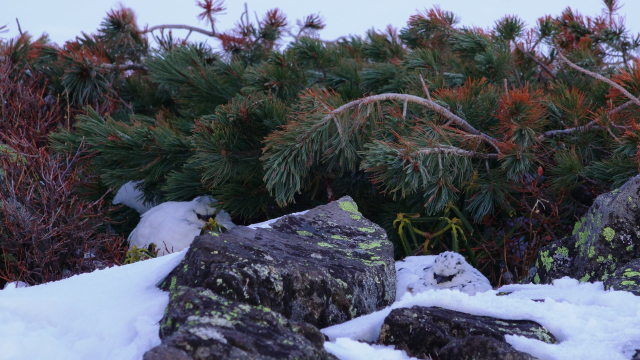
448 270
107 314
172 225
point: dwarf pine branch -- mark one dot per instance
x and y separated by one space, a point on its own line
597 76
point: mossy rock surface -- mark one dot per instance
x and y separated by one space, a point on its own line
432 331
554 261
200 325
607 237
324 267
626 278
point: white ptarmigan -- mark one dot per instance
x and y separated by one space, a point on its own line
128 194
449 270
172 225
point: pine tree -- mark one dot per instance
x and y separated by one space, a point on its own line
513 131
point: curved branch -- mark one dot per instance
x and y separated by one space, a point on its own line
598 77
180 27
588 126
452 150
420 101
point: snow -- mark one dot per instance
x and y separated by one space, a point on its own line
267 224
347 349
588 322
114 314
107 314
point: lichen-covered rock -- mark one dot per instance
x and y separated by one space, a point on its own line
554 261
626 278
425 331
481 348
604 239
324 267
200 325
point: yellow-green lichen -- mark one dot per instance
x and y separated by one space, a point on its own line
355 217
304 233
630 273
600 259
629 248
369 246
348 206
367 229
547 261
339 237
172 285
592 251
608 233
585 278
562 251
577 225
536 279
628 283
325 244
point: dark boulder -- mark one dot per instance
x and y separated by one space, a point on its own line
324 267
428 331
479 348
200 325
626 278
606 238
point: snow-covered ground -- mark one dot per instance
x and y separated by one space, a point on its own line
107 314
588 322
114 314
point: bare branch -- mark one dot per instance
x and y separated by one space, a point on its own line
421 101
180 27
542 65
551 133
621 107
425 88
452 150
598 77
123 67
19 27
592 125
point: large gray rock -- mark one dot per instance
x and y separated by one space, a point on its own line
432 331
201 325
481 347
606 238
324 267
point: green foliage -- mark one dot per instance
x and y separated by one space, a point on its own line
136 254
480 131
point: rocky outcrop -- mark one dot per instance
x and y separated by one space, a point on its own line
324 267
448 334
202 325
262 293
605 239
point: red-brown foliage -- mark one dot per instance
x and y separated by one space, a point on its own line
521 108
47 232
